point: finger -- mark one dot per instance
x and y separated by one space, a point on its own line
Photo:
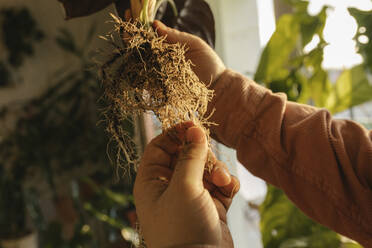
162 148
232 188
173 35
226 201
220 176
221 209
209 186
226 194
189 168
127 15
136 7
178 133
151 182
155 173
216 194
156 155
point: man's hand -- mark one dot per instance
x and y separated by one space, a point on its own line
207 65
177 205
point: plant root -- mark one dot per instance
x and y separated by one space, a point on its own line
146 74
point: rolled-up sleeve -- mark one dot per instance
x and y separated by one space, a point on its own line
324 165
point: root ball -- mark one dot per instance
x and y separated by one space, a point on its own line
145 73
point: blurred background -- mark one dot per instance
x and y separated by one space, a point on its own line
58 187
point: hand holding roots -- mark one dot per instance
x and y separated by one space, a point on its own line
144 73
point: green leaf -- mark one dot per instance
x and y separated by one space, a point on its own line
364 21
117 198
351 245
284 67
276 54
283 225
104 217
351 89
320 88
313 60
66 41
311 25
19 34
90 34
122 199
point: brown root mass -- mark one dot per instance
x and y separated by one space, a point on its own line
144 73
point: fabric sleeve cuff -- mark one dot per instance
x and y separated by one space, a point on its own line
233 106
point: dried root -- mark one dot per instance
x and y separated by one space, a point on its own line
144 73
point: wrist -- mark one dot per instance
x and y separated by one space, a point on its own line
216 78
234 106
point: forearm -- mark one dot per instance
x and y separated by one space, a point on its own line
323 165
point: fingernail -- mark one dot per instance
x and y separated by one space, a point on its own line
224 173
221 177
195 135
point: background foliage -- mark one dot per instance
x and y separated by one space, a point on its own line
19 35
52 148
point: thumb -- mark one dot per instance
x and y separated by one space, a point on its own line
189 168
173 35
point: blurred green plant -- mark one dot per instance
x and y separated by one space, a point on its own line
5 75
363 35
286 67
55 137
12 223
284 225
20 31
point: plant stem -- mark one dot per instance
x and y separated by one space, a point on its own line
144 16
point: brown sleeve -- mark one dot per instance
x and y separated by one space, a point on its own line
323 165
195 246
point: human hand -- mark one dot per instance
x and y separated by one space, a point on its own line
207 65
177 205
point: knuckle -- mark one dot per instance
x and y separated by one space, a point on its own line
198 39
192 157
193 153
236 182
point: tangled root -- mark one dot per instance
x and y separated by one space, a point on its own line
144 74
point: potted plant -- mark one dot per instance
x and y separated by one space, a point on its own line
53 140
